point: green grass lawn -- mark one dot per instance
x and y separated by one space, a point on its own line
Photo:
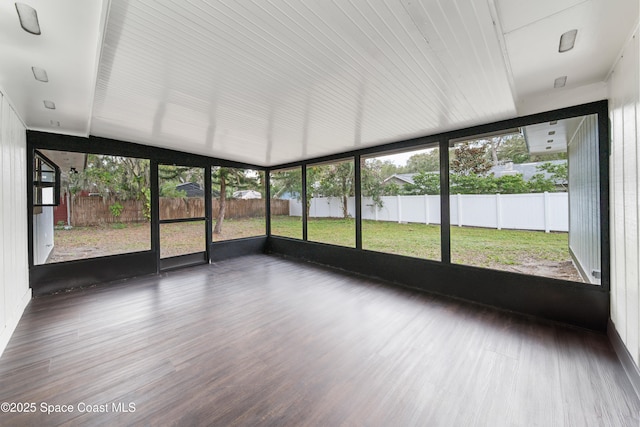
474 246
529 252
486 247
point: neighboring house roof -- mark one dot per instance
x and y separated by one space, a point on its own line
247 194
288 195
527 170
192 189
400 178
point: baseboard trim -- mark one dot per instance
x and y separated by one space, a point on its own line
630 367
12 323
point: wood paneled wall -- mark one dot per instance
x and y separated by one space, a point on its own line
14 276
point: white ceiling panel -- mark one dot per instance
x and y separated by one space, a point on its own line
515 14
533 48
276 81
67 49
273 81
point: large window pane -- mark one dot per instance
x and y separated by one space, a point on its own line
46 185
286 203
527 200
181 192
238 203
401 203
330 203
182 238
103 208
182 210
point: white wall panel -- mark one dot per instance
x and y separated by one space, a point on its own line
14 282
624 100
584 195
42 235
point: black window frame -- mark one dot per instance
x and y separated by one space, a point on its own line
38 184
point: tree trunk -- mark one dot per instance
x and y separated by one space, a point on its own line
345 207
495 142
345 198
223 205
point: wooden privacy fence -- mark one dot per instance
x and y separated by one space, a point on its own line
91 210
279 207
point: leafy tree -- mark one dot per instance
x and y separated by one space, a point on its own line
171 176
116 210
287 181
472 184
229 180
387 168
559 172
112 176
423 162
470 160
507 184
146 207
423 183
511 184
512 148
540 184
180 174
290 181
374 172
391 189
168 189
335 180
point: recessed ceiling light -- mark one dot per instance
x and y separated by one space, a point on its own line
567 41
28 18
50 105
549 141
553 132
560 82
40 74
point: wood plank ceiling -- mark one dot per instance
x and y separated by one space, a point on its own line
269 82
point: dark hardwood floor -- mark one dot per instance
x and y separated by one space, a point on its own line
260 340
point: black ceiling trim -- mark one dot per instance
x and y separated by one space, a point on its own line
112 147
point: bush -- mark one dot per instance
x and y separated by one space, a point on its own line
116 209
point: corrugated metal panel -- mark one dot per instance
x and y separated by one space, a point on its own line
270 82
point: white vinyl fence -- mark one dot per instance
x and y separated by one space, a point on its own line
535 211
